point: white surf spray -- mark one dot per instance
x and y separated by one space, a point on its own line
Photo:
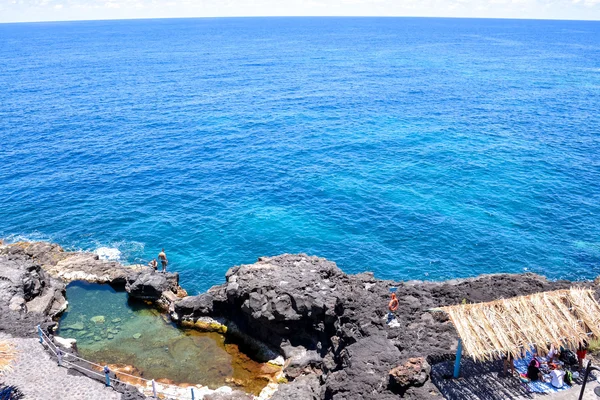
108 253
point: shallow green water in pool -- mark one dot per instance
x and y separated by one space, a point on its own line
110 329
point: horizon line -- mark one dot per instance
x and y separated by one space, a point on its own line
295 16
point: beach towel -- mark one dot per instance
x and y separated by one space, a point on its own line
536 386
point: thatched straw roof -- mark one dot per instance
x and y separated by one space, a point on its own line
7 356
509 326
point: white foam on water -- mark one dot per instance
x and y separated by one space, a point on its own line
31 237
122 251
108 253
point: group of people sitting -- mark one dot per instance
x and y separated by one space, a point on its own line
556 372
556 367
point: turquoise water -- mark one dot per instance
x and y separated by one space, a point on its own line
415 148
112 330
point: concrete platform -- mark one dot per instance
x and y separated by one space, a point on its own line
40 378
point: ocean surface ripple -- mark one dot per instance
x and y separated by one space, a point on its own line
414 148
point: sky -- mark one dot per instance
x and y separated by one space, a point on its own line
62 10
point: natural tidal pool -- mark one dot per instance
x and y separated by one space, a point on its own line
110 329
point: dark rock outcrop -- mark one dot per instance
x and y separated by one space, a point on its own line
52 262
28 295
307 387
414 372
72 266
131 393
332 326
161 288
193 307
147 285
362 369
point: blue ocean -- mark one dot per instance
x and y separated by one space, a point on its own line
415 148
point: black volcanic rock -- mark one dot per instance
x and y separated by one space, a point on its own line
307 387
195 306
72 266
147 285
363 369
332 327
28 295
414 372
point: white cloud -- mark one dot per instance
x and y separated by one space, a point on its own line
27 10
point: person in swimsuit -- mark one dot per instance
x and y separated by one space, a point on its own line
581 353
154 264
163 260
508 360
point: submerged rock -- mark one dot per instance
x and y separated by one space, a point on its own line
65 343
98 319
207 324
137 335
77 326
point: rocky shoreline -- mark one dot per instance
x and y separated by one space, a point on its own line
327 329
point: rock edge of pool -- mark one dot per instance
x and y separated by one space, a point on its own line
130 336
325 330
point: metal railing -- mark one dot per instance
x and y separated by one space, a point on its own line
63 361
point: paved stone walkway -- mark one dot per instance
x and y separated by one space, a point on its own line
39 378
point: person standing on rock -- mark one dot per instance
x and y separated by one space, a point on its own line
392 307
163 260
